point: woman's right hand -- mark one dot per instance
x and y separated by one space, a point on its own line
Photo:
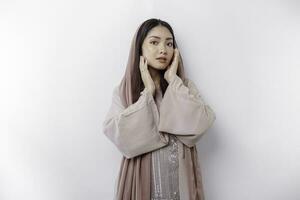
146 77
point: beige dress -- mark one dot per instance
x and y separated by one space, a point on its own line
169 127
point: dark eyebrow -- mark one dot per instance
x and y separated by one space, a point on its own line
169 38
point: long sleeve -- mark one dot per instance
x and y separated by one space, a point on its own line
184 113
134 130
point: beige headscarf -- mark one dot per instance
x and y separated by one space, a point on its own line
135 173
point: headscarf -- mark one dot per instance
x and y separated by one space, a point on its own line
134 177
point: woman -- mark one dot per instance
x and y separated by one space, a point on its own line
155 120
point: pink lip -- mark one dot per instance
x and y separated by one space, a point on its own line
161 60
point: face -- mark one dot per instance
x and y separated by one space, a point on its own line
158 44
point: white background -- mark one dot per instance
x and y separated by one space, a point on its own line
60 60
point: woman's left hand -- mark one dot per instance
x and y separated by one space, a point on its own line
172 69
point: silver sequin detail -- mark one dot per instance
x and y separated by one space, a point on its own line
164 179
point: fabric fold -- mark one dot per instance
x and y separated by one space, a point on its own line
134 129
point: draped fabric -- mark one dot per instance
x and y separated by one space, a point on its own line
139 128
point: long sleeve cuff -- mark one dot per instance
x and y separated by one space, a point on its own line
184 113
134 130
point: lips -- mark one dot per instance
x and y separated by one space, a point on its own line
162 59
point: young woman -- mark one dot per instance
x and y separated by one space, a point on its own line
156 118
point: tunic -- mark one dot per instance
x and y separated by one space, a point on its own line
164 168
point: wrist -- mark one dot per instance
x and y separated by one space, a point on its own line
170 79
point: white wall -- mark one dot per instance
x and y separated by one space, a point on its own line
60 60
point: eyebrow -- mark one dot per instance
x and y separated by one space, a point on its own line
169 38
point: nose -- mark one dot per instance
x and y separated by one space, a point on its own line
162 49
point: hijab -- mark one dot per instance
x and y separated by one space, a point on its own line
133 182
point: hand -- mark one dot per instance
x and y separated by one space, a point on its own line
172 69
146 77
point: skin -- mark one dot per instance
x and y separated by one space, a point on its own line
157 43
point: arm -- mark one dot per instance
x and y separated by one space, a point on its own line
184 113
134 129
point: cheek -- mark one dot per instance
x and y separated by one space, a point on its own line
171 54
149 53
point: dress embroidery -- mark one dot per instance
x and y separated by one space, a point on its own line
164 178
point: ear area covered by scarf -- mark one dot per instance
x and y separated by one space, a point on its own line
184 113
134 130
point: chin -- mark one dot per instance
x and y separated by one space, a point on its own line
160 67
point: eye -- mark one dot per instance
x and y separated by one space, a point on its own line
170 44
152 42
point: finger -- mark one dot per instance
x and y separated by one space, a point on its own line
144 63
143 66
142 59
176 60
177 52
141 62
176 55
